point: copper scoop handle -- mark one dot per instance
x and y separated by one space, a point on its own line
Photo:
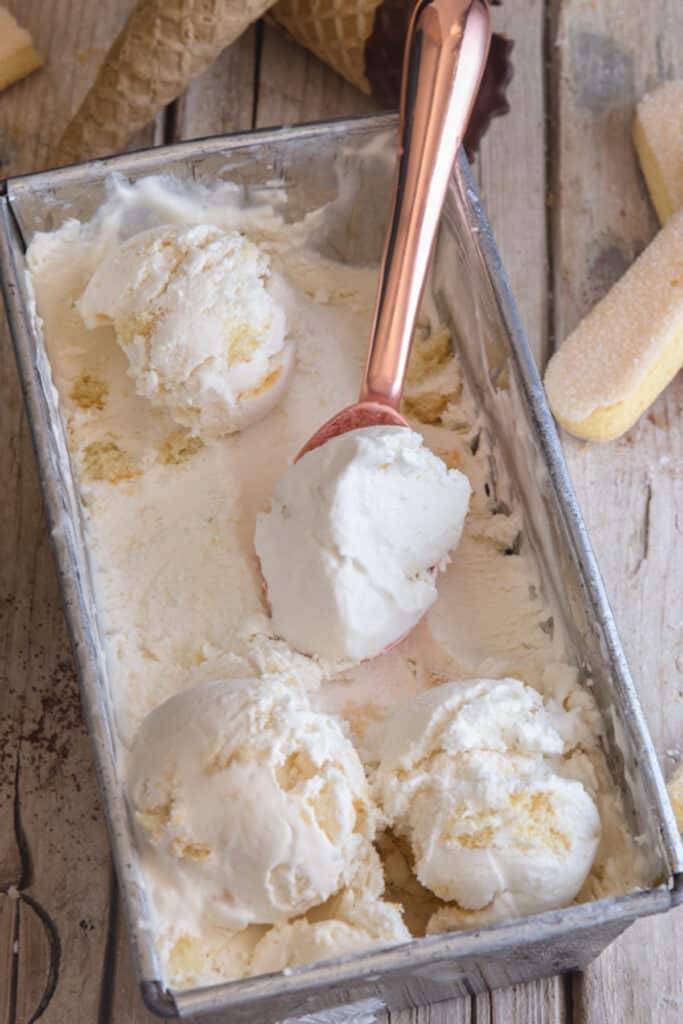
446 49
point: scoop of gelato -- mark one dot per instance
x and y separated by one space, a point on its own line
215 955
251 806
355 918
356 925
468 775
350 542
195 312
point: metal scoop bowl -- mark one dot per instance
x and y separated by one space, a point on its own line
445 55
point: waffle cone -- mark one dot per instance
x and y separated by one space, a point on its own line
336 31
163 46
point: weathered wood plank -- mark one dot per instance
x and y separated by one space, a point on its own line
222 99
73 37
64 848
295 87
511 171
631 491
38 962
13 640
539 1002
8 923
638 978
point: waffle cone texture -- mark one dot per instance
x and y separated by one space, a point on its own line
336 31
162 47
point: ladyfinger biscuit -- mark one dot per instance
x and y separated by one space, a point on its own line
658 138
627 349
18 57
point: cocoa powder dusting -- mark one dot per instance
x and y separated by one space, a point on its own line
50 731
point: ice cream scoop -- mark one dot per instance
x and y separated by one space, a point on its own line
470 774
354 926
446 49
196 312
251 806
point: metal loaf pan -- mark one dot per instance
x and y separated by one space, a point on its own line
472 295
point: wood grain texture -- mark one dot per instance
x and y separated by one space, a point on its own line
222 99
538 1002
295 87
72 36
510 170
9 909
14 597
126 1005
631 490
454 1011
59 847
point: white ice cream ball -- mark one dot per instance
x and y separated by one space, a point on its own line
468 775
349 544
354 925
251 806
196 312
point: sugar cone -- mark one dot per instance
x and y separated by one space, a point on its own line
336 31
363 40
163 46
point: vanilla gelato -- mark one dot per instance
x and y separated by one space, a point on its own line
356 925
469 773
251 806
349 545
196 313
355 918
169 512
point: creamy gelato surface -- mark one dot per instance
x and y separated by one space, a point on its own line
469 774
170 510
351 540
300 812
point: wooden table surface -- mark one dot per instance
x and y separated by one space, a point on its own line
569 210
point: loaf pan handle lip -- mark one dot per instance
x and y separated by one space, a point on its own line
586 560
159 1000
